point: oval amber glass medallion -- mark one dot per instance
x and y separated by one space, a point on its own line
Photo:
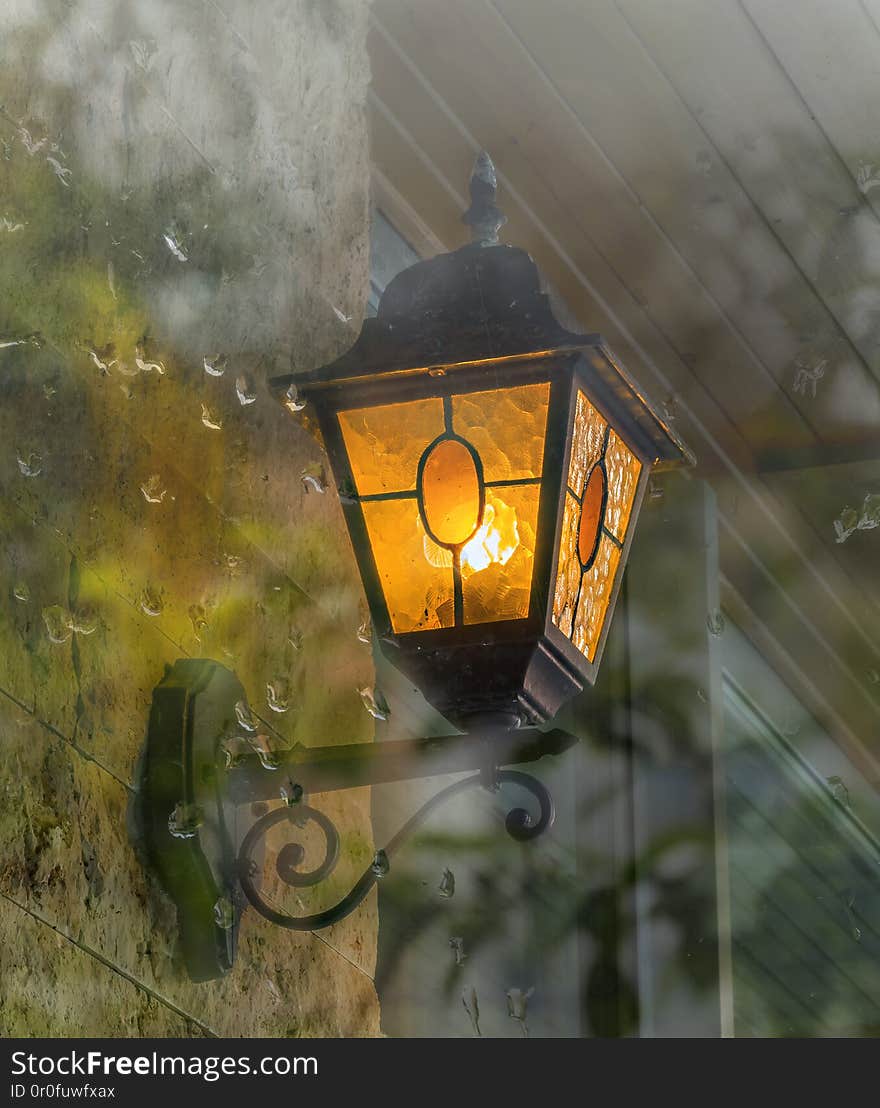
592 511
451 493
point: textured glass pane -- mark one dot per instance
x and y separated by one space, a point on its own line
418 593
588 437
496 565
384 444
569 573
507 427
593 601
623 470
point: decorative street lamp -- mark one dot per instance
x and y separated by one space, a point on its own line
491 465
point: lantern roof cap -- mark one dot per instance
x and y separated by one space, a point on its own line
480 303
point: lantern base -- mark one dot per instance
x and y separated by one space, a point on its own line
525 681
196 811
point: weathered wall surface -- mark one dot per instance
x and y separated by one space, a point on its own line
183 213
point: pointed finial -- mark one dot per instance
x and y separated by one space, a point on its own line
483 217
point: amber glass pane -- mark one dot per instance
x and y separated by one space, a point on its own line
496 565
591 515
418 594
593 601
623 469
580 600
385 444
507 427
588 437
450 490
568 576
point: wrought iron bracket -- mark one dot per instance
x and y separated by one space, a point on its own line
193 805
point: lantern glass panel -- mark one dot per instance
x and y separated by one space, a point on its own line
449 488
602 480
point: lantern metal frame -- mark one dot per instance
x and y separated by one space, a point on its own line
471 321
468 321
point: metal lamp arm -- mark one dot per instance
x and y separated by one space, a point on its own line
518 823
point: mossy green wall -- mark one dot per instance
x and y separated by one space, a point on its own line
135 135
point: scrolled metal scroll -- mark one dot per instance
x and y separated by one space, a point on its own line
518 823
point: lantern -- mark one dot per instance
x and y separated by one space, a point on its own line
491 465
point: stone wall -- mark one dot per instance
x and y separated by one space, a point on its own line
183 213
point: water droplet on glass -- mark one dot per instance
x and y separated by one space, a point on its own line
198 617
380 865
807 377
670 407
142 51
845 524
346 491
839 790
144 364
243 391
211 419
31 465
57 622
224 913
472 1007
870 514
152 489
517 1005
33 146
866 177
291 792
61 171
855 930
447 884
234 564
457 944
244 716
185 820
33 339
260 746
215 364
375 703
234 751
791 724
716 623
291 401
174 246
278 694
313 479
150 602
22 592
82 623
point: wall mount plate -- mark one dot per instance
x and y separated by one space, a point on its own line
187 820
